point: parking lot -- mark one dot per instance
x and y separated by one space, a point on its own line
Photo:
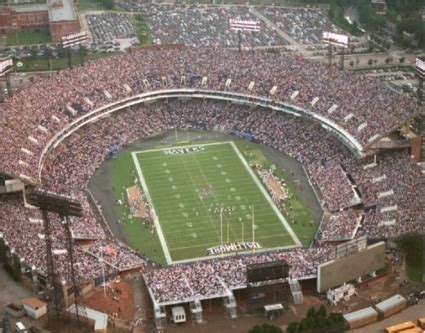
106 27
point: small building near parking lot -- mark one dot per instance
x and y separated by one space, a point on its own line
34 308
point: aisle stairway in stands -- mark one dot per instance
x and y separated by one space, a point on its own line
296 291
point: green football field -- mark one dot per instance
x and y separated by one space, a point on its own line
205 195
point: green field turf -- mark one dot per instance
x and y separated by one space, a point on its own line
187 191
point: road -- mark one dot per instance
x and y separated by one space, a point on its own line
10 291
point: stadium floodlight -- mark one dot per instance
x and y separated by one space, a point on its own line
335 39
74 39
64 206
6 64
338 40
420 73
244 25
420 67
56 203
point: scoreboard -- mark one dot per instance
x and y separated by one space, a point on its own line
267 272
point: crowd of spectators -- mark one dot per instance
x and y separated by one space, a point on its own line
119 257
22 228
34 114
339 227
110 26
210 278
395 188
275 186
307 142
335 187
360 105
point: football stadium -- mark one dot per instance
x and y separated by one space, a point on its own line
215 176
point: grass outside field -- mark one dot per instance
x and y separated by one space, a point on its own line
140 238
142 29
414 247
88 5
295 210
28 38
42 63
137 232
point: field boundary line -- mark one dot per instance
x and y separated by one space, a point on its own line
266 195
155 216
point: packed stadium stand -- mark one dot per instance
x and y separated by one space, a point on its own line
55 134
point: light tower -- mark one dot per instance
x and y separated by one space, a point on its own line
64 206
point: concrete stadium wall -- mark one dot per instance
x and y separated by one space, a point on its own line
335 272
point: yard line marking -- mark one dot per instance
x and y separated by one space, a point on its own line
194 187
215 197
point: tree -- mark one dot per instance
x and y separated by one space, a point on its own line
303 325
13 267
351 63
317 321
402 60
61 51
48 53
17 269
33 52
108 4
83 52
414 247
311 312
321 312
3 250
292 327
370 62
336 317
265 328
412 25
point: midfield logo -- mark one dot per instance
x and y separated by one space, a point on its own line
183 150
